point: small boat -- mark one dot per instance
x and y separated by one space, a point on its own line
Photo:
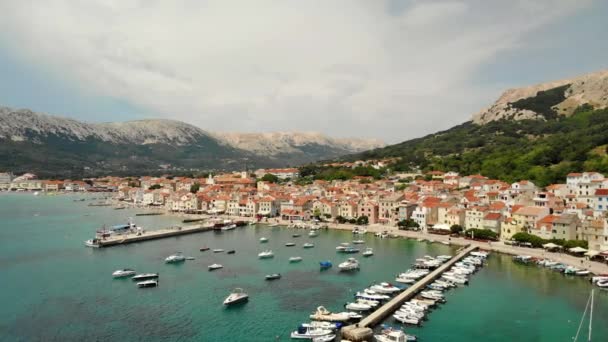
358 242
357 306
323 325
203 249
350 250
263 239
218 250
295 259
325 264
229 227
232 251
394 335
368 252
385 288
175 258
92 243
273 276
237 296
349 265
406 319
313 233
266 254
308 245
123 273
582 273
290 244
148 283
312 333
215 267
340 248
145 276
273 225
295 235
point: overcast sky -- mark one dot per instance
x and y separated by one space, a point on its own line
392 70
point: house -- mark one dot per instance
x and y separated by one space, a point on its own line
527 216
370 209
455 216
387 206
600 201
492 222
595 232
291 173
405 210
425 215
348 209
52 185
268 206
474 217
557 227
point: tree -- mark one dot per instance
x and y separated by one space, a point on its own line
456 229
341 219
195 187
408 224
270 178
316 213
154 187
362 220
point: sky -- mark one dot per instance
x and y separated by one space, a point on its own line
386 69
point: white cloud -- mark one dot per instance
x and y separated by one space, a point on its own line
346 68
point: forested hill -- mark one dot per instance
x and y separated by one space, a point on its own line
543 149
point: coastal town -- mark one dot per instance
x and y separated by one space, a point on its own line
433 202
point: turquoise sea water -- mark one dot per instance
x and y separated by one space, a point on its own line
55 289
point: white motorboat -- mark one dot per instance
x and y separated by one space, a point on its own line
371 296
215 267
175 258
322 325
145 276
148 283
372 303
394 335
237 296
340 248
356 306
358 242
313 233
405 280
290 244
385 288
218 250
92 243
349 265
308 245
123 273
295 259
266 254
406 319
368 252
263 239
309 333
229 227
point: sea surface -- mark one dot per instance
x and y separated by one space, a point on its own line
56 289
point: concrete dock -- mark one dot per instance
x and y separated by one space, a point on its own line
387 309
124 239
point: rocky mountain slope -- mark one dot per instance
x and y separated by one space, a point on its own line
43 143
568 95
291 146
539 133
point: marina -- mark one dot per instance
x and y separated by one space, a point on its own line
540 301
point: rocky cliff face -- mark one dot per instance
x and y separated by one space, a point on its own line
589 89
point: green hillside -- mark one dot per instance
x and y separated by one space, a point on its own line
542 151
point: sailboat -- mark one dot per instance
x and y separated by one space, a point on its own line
588 307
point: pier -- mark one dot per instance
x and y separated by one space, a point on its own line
151 235
355 332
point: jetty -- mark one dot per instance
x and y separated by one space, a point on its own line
362 330
123 239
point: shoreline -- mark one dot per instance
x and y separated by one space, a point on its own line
495 246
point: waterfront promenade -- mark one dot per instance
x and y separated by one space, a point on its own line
124 239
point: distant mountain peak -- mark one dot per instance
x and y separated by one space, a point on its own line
558 97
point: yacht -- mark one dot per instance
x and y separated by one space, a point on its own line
148 283
145 276
273 276
266 254
356 306
175 258
394 335
308 245
406 319
349 265
123 273
384 288
237 296
368 252
263 239
295 259
309 333
215 267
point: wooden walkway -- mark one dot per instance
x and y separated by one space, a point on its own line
152 235
377 316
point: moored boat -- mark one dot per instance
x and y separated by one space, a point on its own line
214 267
232 251
175 258
123 273
368 252
273 276
325 264
203 249
349 265
148 283
266 254
309 333
237 296
218 250
263 239
145 276
295 259
308 245
290 244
